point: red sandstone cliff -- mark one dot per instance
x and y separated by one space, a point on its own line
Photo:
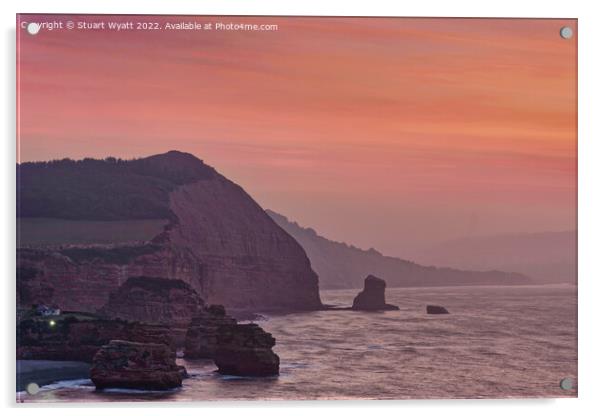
219 241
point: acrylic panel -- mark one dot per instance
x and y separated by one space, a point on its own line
292 208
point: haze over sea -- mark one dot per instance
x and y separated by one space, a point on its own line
497 342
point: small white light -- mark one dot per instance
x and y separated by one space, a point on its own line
33 28
52 323
566 32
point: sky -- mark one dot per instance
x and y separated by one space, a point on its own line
389 133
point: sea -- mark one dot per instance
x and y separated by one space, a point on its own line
496 342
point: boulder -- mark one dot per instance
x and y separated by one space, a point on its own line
372 298
201 337
246 350
133 365
435 310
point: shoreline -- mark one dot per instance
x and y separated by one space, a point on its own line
44 372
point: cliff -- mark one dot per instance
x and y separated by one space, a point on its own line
217 240
343 266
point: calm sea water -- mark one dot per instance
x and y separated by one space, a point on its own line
497 342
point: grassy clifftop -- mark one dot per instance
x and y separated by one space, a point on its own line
105 189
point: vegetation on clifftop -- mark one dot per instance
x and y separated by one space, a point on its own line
107 189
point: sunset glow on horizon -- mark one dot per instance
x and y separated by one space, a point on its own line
393 133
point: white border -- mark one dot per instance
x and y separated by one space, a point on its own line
590 201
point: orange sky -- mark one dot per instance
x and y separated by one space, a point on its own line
391 133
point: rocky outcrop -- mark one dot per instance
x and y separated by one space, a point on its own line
436 310
155 300
78 339
246 350
82 278
236 349
219 240
133 365
202 335
372 298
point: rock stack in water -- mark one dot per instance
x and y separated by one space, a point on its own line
133 365
246 350
436 310
372 298
201 337
236 349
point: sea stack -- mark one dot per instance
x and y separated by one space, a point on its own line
372 298
436 310
246 350
134 365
